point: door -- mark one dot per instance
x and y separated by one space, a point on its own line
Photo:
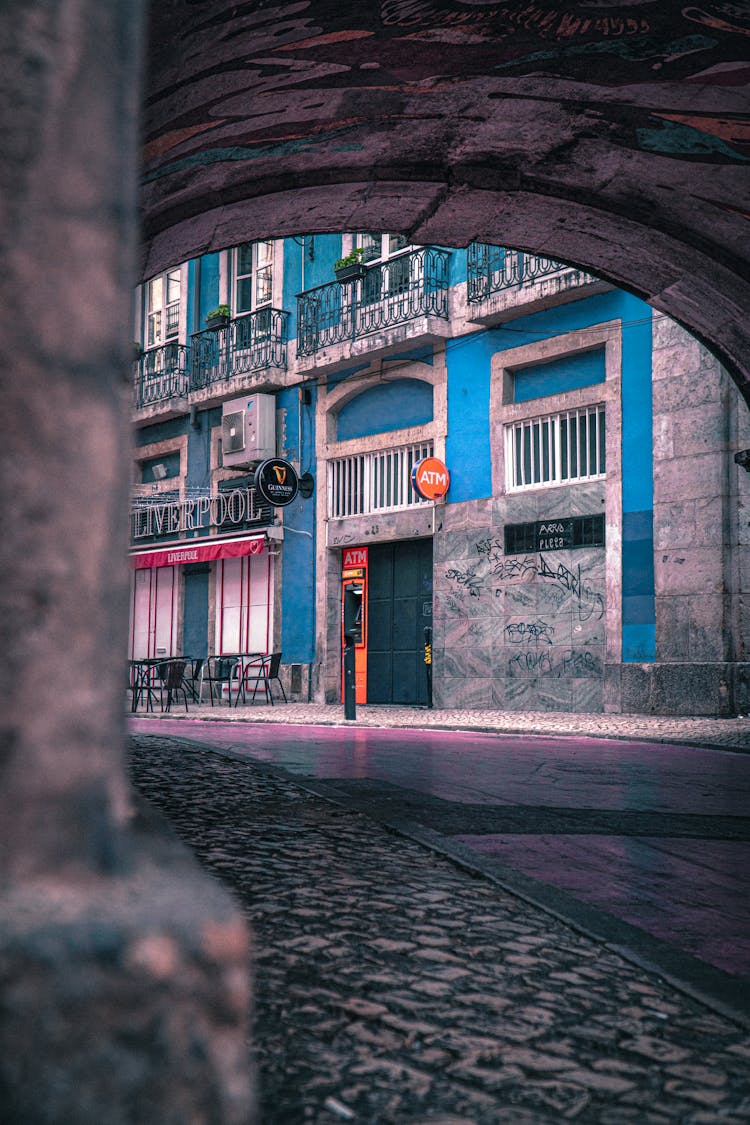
153 613
399 608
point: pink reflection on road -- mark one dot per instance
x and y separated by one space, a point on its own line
562 772
694 894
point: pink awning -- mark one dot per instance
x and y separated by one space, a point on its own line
180 554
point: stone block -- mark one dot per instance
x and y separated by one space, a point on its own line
673 628
675 525
696 570
126 998
689 478
679 689
692 389
707 630
697 430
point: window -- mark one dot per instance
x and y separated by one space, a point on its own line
163 308
393 276
374 482
253 276
558 534
556 449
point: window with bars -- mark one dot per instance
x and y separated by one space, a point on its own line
556 449
374 482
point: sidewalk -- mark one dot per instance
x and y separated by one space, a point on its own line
731 734
395 987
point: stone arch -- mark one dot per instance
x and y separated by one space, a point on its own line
607 135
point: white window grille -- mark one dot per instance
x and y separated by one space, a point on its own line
556 449
374 482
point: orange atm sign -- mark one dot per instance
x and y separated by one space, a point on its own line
354 557
430 478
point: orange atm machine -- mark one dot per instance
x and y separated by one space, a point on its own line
354 604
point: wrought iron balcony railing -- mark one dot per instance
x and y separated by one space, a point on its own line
246 344
411 285
493 268
160 374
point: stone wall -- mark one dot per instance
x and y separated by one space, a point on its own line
700 536
518 632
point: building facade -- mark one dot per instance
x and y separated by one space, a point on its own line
589 554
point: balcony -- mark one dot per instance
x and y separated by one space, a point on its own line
402 300
161 381
248 354
502 284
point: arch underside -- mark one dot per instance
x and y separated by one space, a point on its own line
610 136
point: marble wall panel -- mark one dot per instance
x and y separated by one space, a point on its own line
530 625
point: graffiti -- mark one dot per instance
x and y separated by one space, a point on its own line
529 632
520 569
341 540
512 568
589 601
533 663
574 664
466 580
492 550
579 664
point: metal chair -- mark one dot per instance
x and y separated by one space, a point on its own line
172 676
260 672
216 672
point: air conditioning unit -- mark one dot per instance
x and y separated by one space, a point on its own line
248 430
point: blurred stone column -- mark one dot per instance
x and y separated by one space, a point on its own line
123 968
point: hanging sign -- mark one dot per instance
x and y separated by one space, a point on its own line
430 478
276 481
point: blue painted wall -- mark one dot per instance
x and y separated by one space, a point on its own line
568 373
209 289
468 443
405 402
303 271
638 600
298 553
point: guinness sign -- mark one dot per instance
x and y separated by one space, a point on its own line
276 481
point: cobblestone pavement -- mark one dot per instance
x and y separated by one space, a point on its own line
394 988
734 733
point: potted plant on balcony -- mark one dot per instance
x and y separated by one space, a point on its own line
218 317
351 267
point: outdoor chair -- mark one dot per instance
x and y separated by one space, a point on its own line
259 674
173 682
218 671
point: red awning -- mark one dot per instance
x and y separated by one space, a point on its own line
179 554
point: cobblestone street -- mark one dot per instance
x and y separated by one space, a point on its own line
392 986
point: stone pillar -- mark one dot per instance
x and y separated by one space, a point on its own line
123 969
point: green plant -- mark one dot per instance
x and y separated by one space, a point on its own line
353 258
220 310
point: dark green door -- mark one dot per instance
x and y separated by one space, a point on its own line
399 607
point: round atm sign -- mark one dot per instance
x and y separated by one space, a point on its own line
430 478
276 481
